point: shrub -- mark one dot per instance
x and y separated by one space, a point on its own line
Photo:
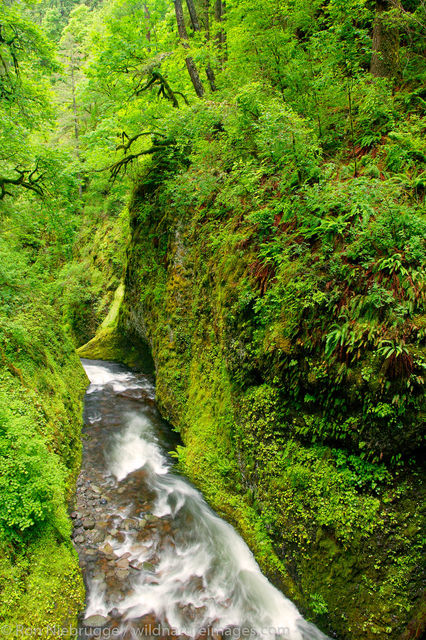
32 481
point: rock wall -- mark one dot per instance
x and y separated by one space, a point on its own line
338 533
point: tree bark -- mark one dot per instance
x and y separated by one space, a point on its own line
193 14
190 64
73 66
196 26
385 58
219 12
147 18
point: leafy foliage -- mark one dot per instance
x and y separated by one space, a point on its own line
276 262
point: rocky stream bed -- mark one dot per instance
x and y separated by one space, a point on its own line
157 562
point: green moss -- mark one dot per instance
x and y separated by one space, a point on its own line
293 443
108 344
41 389
41 587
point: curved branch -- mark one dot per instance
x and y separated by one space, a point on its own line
126 146
28 179
116 167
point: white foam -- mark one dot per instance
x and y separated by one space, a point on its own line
133 450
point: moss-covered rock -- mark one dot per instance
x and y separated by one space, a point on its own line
41 389
299 450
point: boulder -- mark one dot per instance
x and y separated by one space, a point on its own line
95 621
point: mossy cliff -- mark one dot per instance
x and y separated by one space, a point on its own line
41 389
282 301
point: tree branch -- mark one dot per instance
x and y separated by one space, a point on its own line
116 167
126 146
28 179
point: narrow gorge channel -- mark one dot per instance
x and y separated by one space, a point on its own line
156 560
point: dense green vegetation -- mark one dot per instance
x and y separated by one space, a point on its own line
272 255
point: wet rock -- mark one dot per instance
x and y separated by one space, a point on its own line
143 536
95 488
188 610
123 563
95 621
103 501
148 566
97 536
122 574
150 517
134 564
88 523
107 549
113 532
195 583
79 539
130 524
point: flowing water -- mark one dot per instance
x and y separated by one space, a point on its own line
157 561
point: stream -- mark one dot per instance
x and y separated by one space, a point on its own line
157 561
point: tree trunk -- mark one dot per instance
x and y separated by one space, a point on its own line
385 58
207 18
147 18
76 127
219 12
190 64
196 26
193 14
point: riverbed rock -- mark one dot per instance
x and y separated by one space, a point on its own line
122 574
107 549
95 621
123 563
97 536
130 524
150 518
88 523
